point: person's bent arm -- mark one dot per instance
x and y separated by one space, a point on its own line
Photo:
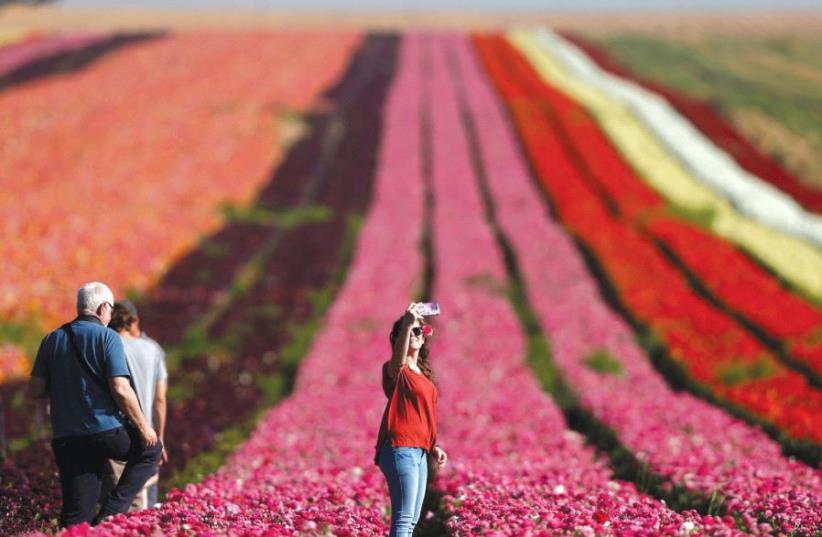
37 388
400 349
126 399
160 413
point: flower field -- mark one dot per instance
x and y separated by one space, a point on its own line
712 349
720 131
631 338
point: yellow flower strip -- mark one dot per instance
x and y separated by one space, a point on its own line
795 260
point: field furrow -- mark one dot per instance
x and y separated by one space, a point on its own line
701 455
714 354
519 469
308 467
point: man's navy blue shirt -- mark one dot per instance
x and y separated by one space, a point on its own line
79 405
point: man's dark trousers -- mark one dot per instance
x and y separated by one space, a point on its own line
81 461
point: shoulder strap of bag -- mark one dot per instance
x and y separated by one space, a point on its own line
81 359
90 372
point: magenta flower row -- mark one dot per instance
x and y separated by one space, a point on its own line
684 439
516 469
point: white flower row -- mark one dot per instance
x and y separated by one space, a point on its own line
708 163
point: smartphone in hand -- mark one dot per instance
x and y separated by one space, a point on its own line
429 309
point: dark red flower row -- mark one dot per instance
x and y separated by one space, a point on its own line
747 288
304 262
729 275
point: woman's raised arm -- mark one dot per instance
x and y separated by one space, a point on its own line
400 349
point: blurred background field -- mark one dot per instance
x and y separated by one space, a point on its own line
768 86
759 67
156 95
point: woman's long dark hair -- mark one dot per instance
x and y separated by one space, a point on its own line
422 359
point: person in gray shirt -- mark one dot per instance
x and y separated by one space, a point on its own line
146 362
81 369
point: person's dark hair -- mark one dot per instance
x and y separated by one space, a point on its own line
422 359
121 317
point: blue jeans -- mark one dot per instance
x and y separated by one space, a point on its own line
406 470
153 493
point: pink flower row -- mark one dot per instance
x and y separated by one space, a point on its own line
308 468
516 469
27 51
680 437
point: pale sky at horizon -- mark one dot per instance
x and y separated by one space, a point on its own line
467 5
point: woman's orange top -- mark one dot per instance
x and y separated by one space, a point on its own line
410 416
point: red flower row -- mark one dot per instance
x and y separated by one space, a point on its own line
598 198
746 287
727 273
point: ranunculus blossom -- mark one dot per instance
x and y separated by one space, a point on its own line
13 362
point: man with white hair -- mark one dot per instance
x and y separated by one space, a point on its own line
95 415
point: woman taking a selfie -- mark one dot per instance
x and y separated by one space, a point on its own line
408 432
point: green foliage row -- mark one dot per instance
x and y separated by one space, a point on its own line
724 71
274 386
